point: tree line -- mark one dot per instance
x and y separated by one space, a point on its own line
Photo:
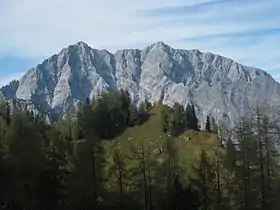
80 162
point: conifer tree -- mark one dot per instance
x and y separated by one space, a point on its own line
133 115
214 126
116 176
165 119
206 177
54 173
143 112
125 106
191 118
5 111
26 158
208 125
178 119
194 119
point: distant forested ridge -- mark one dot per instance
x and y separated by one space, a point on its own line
110 154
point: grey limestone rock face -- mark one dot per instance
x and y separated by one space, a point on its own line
218 86
8 91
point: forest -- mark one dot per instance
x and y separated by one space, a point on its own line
110 154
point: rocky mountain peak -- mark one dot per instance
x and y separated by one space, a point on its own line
218 86
82 44
160 45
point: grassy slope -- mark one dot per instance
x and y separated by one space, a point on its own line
189 150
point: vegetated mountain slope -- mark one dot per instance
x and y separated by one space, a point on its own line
218 86
188 145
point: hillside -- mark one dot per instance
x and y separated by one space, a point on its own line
111 155
189 144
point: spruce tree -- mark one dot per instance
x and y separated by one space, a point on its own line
194 119
165 119
214 126
133 115
26 159
5 111
143 112
178 119
125 106
208 125
191 118
206 176
53 177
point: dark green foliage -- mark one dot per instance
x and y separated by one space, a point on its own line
165 119
148 104
114 111
206 181
5 111
53 175
133 115
178 119
184 198
25 156
208 125
108 115
72 165
191 119
84 119
143 111
125 106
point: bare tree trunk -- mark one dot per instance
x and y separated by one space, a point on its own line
144 176
169 180
260 143
245 165
204 180
94 181
218 183
268 164
120 178
150 191
54 176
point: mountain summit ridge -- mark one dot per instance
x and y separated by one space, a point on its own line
218 86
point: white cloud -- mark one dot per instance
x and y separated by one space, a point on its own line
36 28
40 28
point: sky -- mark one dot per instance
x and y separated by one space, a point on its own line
247 31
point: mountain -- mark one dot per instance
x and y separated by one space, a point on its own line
218 86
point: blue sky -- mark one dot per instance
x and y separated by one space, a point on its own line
247 31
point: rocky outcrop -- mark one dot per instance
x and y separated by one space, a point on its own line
218 86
